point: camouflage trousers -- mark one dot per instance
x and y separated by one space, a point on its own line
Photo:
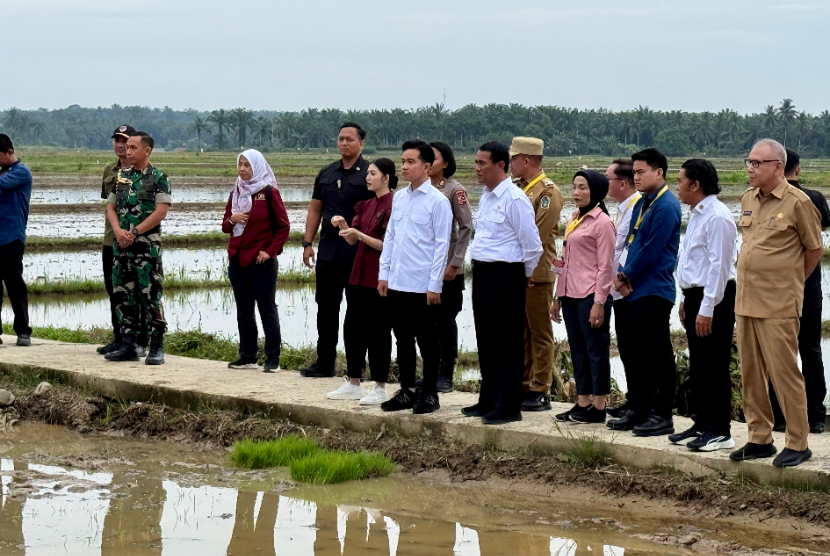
137 283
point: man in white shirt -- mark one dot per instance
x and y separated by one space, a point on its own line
505 251
621 188
412 274
706 274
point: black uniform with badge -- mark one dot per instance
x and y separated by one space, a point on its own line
339 189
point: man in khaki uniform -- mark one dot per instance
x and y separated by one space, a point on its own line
526 167
781 247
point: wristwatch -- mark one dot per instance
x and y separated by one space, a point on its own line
135 232
306 244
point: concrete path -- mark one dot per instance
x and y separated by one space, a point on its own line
183 382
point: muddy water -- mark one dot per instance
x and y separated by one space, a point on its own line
204 194
66 494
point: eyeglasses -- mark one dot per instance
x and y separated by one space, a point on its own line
757 163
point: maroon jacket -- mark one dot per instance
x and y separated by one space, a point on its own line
258 235
370 217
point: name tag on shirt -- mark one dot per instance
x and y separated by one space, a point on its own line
623 256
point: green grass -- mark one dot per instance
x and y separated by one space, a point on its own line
325 468
272 453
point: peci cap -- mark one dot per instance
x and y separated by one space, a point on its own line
526 145
123 131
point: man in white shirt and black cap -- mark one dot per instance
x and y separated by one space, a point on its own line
505 251
706 275
411 273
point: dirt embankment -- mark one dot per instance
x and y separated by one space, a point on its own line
206 425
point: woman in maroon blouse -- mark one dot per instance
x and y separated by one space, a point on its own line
367 325
256 219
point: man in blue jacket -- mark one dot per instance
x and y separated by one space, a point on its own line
15 192
645 279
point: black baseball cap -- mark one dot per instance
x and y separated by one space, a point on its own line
123 131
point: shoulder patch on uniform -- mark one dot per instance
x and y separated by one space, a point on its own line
461 196
545 202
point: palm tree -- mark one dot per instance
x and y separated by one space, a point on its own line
16 121
198 127
242 120
770 120
262 128
787 113
221 122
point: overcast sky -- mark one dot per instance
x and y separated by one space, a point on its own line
281 55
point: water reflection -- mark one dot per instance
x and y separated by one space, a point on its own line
68 511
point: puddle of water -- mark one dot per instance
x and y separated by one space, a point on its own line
201 194
128 497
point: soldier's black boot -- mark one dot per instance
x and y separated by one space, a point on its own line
445 373
112 346
127 351
156 354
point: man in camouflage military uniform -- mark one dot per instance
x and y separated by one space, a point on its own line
526 167
135 210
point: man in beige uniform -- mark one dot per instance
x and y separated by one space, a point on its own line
781 247
526 167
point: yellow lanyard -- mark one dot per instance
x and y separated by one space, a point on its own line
643 214
536 180
628 206
573 224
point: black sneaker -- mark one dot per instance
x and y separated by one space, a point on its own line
403 399
616 412
24 340
588 414
751 450
427 403
563 417
243 364
709 442
791 458
536 401
109 348
655 426
444 385
318 371
476 410
684 437
500 417
627 421
817 427
780 427
272 366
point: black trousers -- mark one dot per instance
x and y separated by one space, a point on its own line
256 285
413 320
11 277
625 331
589 346
368 328
812 366
709 358
654 373
452 300
332 279
499 311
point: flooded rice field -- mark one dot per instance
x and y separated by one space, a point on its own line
63 493
188 194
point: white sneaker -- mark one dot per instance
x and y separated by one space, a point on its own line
347 391
376 396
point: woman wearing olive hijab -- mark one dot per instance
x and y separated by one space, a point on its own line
583 296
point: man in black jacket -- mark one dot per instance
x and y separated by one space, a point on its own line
809 336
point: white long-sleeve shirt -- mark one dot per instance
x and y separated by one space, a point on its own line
417 238
708 253
506 228
622 221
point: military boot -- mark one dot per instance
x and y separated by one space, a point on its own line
156 354
445 373
127 351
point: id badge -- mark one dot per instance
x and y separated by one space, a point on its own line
624 256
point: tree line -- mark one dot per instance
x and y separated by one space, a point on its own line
566 131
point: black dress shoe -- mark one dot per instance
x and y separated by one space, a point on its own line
791 458
444 385
627 421
536 402
318 371
588 414
655 426
616 412
500 417
817 427
476 410
563 417
751 450
780 427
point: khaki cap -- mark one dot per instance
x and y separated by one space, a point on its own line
526 145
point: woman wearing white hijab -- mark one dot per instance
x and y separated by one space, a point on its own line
256 219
